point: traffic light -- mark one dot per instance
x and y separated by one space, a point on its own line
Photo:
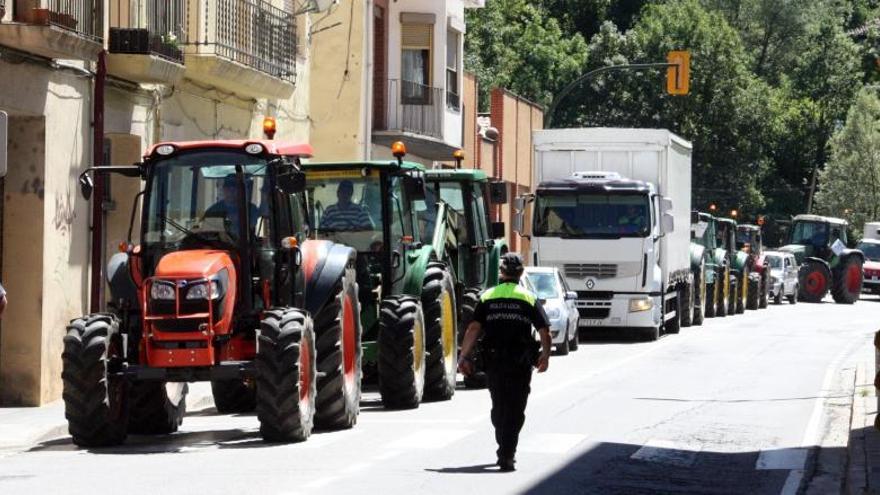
678 75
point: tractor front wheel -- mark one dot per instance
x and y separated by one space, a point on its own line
848 278
401 352
95 398
157 408
469 299
754 296
702 292
441 334
711 300
733 297
338 346
814 281
286 375
742 293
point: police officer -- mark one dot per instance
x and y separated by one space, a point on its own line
504 317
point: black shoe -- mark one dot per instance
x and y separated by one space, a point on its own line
506 465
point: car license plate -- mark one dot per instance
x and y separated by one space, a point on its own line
591 322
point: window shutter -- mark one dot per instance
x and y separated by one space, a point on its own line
416 36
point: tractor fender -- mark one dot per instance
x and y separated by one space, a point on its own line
499 249
760 263
817 260
847 253
324 263
122 286
417 265
740 260
696 251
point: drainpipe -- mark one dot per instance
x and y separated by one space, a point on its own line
96 299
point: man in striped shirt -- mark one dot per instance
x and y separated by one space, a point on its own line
345 215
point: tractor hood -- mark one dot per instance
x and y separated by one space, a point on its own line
798 250
197 263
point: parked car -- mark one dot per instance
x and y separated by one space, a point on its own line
871 279
559 304
783 276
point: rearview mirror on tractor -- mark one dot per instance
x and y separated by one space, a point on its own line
292 182
497 192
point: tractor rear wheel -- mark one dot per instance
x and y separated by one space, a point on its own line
711 298
156 408
286 375
95 398
234 396
742 292
848 278
401 344
754 296
723 279
702 292
338 347
686 315
733 297
438 304
469 299
814 280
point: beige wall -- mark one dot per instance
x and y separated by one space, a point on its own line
340 94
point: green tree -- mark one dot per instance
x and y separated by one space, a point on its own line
514 44
850 183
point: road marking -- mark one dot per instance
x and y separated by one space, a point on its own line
430 439
667 452
782 459
550 443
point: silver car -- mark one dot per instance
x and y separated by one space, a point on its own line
550 287
783 276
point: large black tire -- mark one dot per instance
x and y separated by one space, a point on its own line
848 278
441 334
338 347
734 295
723 295
765 288
156 408
234 396
649 334
702 292
686 315
814 280
286 375
754 298
673 326
711 299
469 299
95 399
742 290
401 349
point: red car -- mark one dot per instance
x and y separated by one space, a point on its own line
871 248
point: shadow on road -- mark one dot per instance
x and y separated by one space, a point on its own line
476 469
616 468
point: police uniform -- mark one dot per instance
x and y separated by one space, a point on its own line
507 314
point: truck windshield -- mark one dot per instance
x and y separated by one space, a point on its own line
592 215
810 234
347 207
195 197
871 250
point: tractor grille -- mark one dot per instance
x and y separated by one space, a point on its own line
594 313
594 270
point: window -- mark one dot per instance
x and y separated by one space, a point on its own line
452 93
416 63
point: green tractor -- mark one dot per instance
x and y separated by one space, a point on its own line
472 242
740 269
406 290
819 245
714 262
749 240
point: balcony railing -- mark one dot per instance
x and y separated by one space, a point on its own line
251 32
453 101
147 26
84 17
411 107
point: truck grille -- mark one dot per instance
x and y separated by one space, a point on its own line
594 313
594 270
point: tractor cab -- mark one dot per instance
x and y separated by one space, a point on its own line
749 239
726 234
814 236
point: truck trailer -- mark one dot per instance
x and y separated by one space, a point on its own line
611 209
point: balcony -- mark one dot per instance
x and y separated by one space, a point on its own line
144 36
413 113
242 46
60 29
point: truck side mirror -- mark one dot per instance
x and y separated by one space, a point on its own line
498 230
665 204
292 182
497 192
667 223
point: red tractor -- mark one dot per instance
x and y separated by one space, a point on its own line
222 287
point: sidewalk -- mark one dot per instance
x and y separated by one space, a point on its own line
863 450
23 427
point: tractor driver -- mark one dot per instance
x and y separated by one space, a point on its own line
345 214
228 210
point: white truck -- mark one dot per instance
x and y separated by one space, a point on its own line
612 210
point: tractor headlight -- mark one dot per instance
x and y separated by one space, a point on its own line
640 304
162 291
200 291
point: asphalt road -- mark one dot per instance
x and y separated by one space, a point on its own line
730 407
